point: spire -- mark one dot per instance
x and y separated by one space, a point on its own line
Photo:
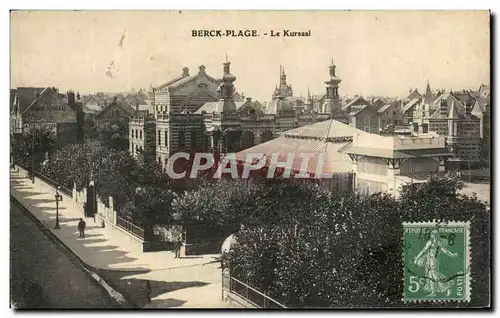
308 94
332 69
282 76
428 91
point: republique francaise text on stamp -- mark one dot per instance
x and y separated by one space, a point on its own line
436 261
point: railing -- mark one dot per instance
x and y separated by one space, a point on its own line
248 293
130 227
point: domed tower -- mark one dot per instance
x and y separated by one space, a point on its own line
226 90
332 103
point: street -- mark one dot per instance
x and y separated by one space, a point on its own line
33 256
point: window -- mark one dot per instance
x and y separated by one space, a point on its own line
182 138
367 121
166 138
159 161
193 139
394 113
159 138
140 134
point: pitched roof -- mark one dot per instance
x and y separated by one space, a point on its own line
170 82
415 91
176 82
13 98
453 112
123 105
324 129
208 107
384 108
410 104
335 162
26 96
450 100
356 109
477 110
91 109
354 101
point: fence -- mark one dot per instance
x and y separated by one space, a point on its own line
130 227
251 295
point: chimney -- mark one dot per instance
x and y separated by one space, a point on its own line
249 99
185 71
77 96
71 98
201 68
137 107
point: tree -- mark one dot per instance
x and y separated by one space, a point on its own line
35 145
115 135
341 247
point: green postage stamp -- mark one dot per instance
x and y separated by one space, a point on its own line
436 261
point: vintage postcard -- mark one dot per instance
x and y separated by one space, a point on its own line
250 159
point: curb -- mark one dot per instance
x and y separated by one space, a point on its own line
116 296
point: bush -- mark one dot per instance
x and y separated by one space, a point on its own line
345 250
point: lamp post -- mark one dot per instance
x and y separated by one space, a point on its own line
33 159
58 197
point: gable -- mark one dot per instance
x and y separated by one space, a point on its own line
124 110
193 83
366 111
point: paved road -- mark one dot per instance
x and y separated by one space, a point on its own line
33 255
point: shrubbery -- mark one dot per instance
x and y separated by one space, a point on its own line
317 249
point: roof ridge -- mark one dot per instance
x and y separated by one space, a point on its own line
36 99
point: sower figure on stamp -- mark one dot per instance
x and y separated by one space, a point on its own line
81 227
436 282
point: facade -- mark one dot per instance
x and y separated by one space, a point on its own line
142 137
177 127
391 115
116 111
199 113
33 107
357 160
449 117
386 163
365 118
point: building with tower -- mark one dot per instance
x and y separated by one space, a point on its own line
455 118
200 113
332 103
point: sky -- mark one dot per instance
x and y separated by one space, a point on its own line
376 53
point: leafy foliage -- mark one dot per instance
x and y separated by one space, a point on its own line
115 135
34 145
309 248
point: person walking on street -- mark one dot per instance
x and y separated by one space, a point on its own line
148 291
81 227
177 248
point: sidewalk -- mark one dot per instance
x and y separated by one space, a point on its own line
187 282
